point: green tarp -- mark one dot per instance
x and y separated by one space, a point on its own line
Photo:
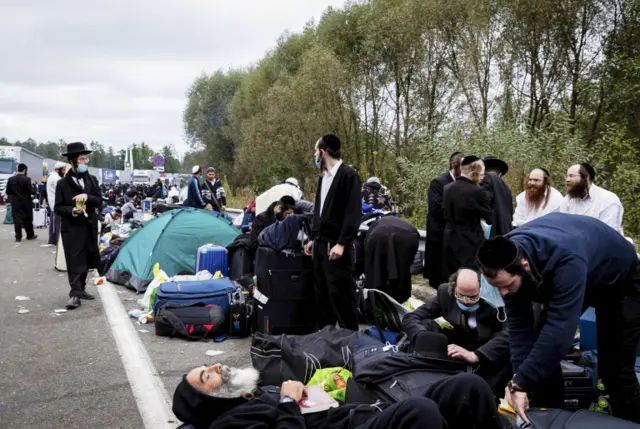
8 216
172 240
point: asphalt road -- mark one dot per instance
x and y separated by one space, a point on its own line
65 371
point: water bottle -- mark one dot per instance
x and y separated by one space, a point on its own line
136 314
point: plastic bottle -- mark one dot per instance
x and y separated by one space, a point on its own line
136 314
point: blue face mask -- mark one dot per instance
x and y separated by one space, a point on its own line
82 168
468 309
318 161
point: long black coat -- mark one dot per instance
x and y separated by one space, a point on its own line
465 204
390 248
491 339
79 233
435 230
501 203
20 192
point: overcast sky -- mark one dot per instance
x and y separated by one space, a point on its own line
117 71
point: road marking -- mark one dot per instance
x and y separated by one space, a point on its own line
147 386
3 210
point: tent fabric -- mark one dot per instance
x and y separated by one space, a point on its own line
171 240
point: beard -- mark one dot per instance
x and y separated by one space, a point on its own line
535 194
577 190
236 383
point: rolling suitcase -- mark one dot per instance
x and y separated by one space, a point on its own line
202 292
212 258
240 263
39 216
285 300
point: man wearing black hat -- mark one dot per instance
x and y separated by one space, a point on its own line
585 198
338 210
220 397
20 192
436 222
466 203
77 199
500 194
567 263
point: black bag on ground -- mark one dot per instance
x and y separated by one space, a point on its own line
379 309
240 257
107 257
582 419
279 358
285 302
190 323
241 307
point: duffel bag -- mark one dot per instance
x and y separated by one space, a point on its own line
202 292
582 419
190 323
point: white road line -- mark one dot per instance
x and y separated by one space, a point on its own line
3 210
147 386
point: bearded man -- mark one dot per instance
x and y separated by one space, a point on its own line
585 198
538 198
221 397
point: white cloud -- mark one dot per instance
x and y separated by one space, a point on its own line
117 71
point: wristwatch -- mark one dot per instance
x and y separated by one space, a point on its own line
513 387
286 399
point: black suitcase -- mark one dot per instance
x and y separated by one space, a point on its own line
284 301
578 389
240 262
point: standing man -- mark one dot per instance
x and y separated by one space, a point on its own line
538 198
436 222
567 263
335 225
218 199
500 194
54 221
194 197
20 192
77 199
466 203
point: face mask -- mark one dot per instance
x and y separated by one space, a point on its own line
492 296
82 168
318 162
467 309
61 174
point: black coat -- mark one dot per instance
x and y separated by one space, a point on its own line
435 229
340 217
20 192
501 203
465 204
390 248
79 233
490 341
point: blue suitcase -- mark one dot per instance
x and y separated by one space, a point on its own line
203 292
212 258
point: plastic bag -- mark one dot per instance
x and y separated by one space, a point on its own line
333 381
149 298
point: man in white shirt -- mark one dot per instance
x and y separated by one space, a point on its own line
52 180
585 198
538 199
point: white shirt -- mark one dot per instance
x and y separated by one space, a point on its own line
327 180
52 181
526 212
598 203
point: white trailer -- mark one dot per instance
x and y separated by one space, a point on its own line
11 156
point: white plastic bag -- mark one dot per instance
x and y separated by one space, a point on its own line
149 298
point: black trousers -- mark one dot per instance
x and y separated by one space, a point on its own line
618 330
23 218
78 283
335 288
462 401
54 227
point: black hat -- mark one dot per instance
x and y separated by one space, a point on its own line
497 253
544 170
332 142
590 170
75 149
197 408
432 344
493 163
469 159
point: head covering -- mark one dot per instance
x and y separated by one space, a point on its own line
432 344
288 202
497 253
292 181
332 142
197 408
493 163
590 170
59 165
544 170
76 149
469 159
373 180
195 169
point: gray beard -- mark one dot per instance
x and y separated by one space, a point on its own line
236 383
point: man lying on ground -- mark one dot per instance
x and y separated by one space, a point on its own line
222 398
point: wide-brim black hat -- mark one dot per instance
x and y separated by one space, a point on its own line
493 163
76 148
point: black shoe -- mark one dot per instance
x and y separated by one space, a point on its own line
74 302
32 238
18 240
86 295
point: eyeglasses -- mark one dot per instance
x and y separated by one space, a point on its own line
83 158
468 299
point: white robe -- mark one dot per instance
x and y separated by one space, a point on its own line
598 203
526 212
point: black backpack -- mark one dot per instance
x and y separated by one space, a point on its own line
190 323
241 315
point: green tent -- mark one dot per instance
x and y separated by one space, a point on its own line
172 240
8 217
